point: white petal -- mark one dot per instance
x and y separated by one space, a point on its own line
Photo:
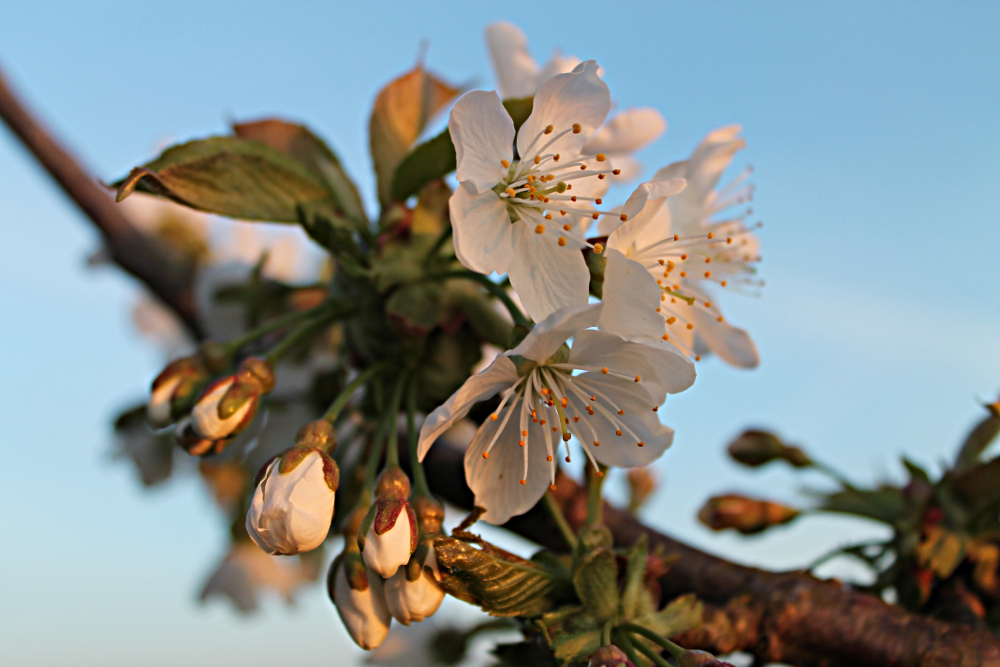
483 134
389 551
500 375
621 451
643 206
413 601
364 613
556 329
545 275
559 64
205 414
515 69
630 168
578 97
481 230
731 344
496 480
627 132
630 297
651 191
659 366
158 408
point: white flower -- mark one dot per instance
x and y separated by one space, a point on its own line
610 406
529 217
686 254
228 405
413 601
246 570
293 504
391 536
518 75
358 595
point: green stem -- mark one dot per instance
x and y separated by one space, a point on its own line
635 628
300 334
438 244
419 478
833 474
392 455
376 453
553 507
595 505
275 324
606 633
655 657
345 395
491 287
623 642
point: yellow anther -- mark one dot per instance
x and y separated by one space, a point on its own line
723 283
597 443
605 371
684 256
729 240
600 157
621 412
708 274
486 455
548 129
638 378
505 163
711 235
665 337
697 357
661 262
524 434
655 408
598 248
539 229
548 216
548 458
618 432
577 129
598 201
538 159
684 274
524 481
718 319
520 443
566 438
561 212
600 177
555 158
690 326
671 320
510 192
708 260
573 198
567 226
583 167
494 416
670 266
562 240
708 304
616 172
641 444
594 216
623 217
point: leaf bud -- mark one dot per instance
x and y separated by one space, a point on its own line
700 659
293 504
610 656
388 535
228 405
358 595
743 514
755 448
174 390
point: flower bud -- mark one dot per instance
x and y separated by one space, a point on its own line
388 535
755 448
700 659
175 388
357 593
194 444
610 656
292 507
228 405
744 514
413 593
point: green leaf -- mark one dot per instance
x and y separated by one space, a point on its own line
418 308
576 646
501 584
978 486
480 311
299 143
635 573
230 176
519 109
401 262
402 110
679 616
979 438
885 504
430 161
941 551
596 582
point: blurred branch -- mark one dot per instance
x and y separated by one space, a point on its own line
788 617
133 251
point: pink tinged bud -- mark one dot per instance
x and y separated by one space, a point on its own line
194 444
360 602
413 601
228 405
700 659
610 656
391 538
158 410
293 503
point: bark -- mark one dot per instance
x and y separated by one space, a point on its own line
789 617
132 250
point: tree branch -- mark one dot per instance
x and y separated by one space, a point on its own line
132 250
789 617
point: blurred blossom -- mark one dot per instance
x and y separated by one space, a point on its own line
152 453
246 572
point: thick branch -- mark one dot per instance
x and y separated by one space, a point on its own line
788 617
133 251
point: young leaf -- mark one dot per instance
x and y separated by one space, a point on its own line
576 646
418 308
428 162
885 504
501 584
635 572
311 152
596 582
679 616
232 177
402 110
979 438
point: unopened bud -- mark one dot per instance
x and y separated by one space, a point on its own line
610 656
358 595
700 659
228 405
743 514
430 515
388 535
174 390
413 593
641 484
194 444
755 448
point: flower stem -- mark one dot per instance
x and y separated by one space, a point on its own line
606 633
375 455
595 505
622 641
345 395
655 657
673 648
300 334
438 244
419 478
491 287
552 505
392 455
275 324
833 474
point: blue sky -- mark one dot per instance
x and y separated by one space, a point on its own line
872 130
